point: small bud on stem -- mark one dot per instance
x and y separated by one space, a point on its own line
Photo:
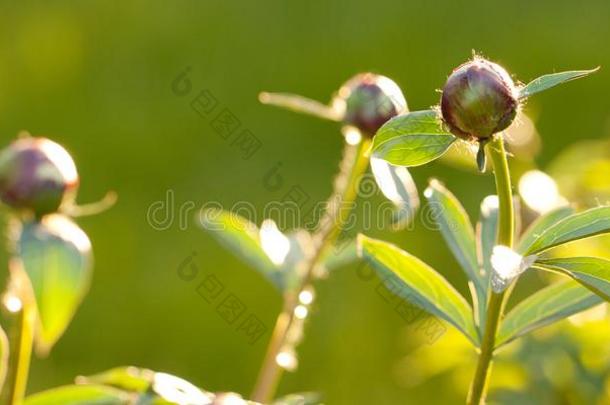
370 101
36 175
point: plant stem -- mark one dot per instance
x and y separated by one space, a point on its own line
353 166
496 301
21 338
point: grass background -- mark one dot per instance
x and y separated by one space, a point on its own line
96 76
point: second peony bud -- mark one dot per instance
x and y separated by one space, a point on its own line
36 175
370 100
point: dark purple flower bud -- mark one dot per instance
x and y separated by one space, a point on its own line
370 100
479 100
36 175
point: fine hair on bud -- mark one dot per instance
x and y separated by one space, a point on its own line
479 100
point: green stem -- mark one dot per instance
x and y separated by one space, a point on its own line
20 340
496 301
354 165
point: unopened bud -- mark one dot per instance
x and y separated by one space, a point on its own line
36 175
370 101
479 100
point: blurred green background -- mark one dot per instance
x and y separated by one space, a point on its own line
96 76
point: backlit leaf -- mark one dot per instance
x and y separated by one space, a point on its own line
56 256
540 225
79 395
455 226
487 229
412 139
241 237
584 224
397 185
129 378
486 235
419 284
551 304
551 80
591 272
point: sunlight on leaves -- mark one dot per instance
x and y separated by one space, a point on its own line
533 232
412 139
274 243
307 398
545 82
420 284
125 378
591 272
507 265
79 395
179 391
487 229
241 237
551 304
398 186
582 225
456 228
56 256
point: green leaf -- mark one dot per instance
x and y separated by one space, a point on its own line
412 139
486 232
540 225
306 398
173 389
420 284
487 229
398 186
456 228
79 395
551 80
577 226
56 256
591 272
128 378
301 104
4 353
551 304
241 237
155 388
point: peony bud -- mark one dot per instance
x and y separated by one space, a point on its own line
370 100
479 100
36 175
